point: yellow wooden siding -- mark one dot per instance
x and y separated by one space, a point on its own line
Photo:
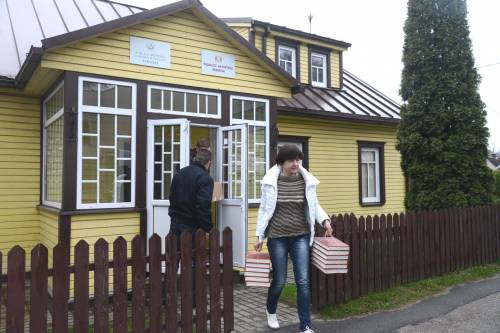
49 226
243 32
335 69
108 226
258 41
271 48
304 64
19 172
333 159
109 55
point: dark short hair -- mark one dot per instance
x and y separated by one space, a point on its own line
203 156
203 144
288 152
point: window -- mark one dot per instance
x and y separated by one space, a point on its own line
106 144
254 112
319 70
301 142
183 102
53 125
287 59
371 173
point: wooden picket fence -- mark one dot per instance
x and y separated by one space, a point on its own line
390 250
151 295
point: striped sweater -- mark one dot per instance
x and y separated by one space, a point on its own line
289 218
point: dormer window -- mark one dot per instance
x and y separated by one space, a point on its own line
319 67
287 59
288 56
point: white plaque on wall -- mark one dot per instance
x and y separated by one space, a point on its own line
216 63
149 52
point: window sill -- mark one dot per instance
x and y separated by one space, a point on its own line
103 211
371 204
49 209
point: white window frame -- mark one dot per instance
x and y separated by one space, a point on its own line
47 123
191 114
113 111
375 199
294 58
325 59
252 123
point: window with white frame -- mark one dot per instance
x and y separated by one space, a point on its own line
287 59
183 102
318 69
53 126
371 177
254 112
106 143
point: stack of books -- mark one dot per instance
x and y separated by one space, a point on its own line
257 268
330 255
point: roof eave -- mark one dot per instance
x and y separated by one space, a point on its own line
338 116
275 27
27 69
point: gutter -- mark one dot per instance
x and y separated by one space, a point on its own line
27 69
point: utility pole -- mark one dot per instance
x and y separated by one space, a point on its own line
310 18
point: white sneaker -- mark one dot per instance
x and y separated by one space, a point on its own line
307 330
272 321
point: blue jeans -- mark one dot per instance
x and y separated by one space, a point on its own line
298 248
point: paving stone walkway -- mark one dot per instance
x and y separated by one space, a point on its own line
250 308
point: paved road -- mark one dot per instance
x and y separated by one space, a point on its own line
471 307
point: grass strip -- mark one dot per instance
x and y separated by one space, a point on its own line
396 297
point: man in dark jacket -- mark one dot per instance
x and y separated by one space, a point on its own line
191 196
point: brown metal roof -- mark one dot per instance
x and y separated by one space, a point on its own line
357 100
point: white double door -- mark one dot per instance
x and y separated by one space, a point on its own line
169 151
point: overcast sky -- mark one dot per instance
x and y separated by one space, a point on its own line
375 30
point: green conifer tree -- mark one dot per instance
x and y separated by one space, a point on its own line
442 136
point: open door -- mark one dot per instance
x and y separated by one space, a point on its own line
168 152
233 209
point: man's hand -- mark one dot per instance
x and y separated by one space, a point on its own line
258 245
328 228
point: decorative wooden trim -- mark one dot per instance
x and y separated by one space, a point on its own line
326 53
341 70
141 142
273 131
280 41
380 147
70 142
304 140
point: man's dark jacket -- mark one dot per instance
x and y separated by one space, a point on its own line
191 199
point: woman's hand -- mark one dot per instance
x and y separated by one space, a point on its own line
328 228
258 245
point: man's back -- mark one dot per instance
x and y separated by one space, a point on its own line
191 197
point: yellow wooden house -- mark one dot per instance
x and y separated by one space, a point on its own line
101 102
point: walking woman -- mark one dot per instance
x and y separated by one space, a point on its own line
289 208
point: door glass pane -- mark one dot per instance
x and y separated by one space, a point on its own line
124 125
191 103
157 191
237 108
178 101
107 158
156 99
167 182
248 110
108 95
167 138
167 100
89 193
124 97
123 147
123 192
167 162
107 130
123 169
106 186
260 111
89 123
212 104
89 146
89 93
89 169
